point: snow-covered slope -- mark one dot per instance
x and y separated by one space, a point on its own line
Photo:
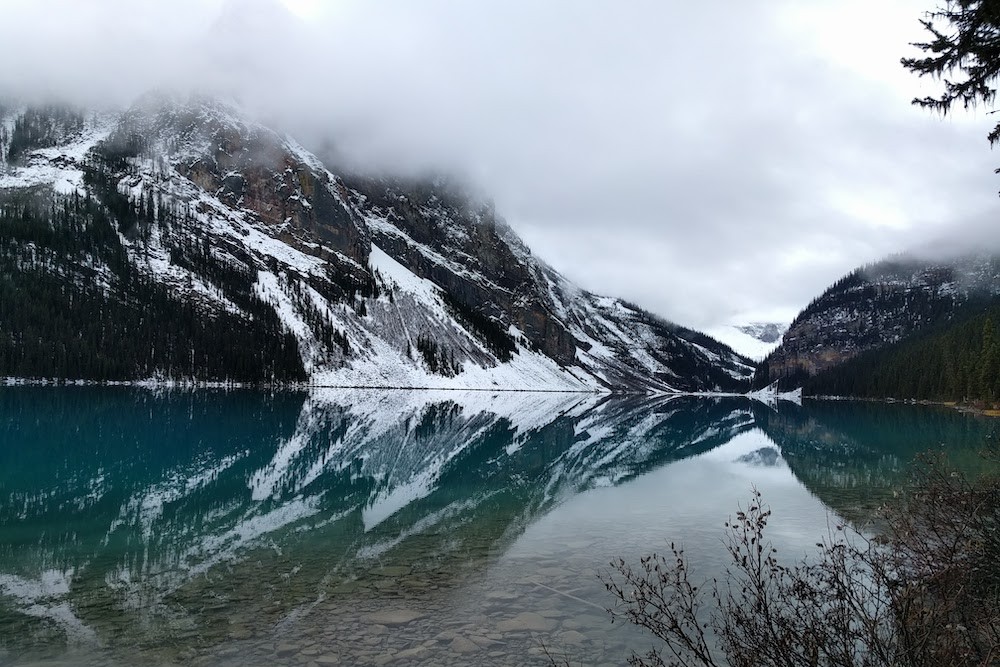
754 341
381 283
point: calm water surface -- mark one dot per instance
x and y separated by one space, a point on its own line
242 528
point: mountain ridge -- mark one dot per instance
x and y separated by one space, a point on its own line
380 282
879 307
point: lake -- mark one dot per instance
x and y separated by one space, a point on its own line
399 527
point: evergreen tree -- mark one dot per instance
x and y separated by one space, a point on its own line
57 321
964 52
956 360
989 368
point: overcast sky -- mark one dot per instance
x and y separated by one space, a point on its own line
711 165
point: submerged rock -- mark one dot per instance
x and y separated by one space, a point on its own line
527 621
394 617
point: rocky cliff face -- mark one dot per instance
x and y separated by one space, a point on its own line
460 245
379 282
877 305
248 168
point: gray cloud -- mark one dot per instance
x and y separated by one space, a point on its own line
706 164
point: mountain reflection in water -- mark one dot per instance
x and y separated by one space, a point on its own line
138 521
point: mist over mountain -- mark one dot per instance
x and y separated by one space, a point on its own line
601 152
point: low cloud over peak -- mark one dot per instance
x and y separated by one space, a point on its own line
705 165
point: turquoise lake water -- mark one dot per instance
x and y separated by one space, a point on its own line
379 527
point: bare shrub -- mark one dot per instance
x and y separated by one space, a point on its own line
925 591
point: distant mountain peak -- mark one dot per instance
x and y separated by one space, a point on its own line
765 332
753 340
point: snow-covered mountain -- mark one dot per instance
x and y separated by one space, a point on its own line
765 332
754 340
198 243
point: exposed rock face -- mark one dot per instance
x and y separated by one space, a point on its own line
468 236
460 244
874 306
250 168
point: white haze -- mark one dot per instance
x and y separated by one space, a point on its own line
712 165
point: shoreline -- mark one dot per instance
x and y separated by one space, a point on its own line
954 405
189 385
157 385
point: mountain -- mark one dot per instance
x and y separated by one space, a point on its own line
877 310
178 239
754 340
